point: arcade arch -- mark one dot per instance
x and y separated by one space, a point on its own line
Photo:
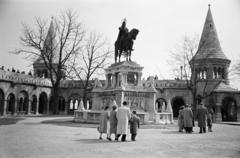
229 109
177 102
159 104
43 101
1 102
34 104
61 104
23 102
11 104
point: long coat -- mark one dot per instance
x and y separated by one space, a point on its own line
134 124
103 126
202 116
187 117
180 119
123 116
113 122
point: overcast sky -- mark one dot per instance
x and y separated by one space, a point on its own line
162 24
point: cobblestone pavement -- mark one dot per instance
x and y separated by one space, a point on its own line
31 138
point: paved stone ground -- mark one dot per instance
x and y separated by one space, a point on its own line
54 137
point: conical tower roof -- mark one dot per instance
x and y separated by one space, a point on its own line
50 41
209 45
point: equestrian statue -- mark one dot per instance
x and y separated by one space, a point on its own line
124 43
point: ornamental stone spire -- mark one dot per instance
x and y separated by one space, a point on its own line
209 45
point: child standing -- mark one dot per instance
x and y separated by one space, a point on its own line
134 125
210 119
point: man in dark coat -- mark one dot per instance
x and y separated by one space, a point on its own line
188 119
202 118
134 125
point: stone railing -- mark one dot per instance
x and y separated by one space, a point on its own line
164 118
23 78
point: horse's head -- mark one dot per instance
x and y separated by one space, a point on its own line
133 33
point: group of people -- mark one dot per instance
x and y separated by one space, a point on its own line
186 118
116 122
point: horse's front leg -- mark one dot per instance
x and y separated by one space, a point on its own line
129 56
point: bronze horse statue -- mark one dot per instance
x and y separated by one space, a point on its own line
124 44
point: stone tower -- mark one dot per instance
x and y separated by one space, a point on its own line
50 47
210 64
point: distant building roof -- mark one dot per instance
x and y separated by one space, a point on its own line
223 87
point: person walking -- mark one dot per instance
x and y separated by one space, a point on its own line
202 118
188 119
134 125
103 125
113 122
123 116
180 119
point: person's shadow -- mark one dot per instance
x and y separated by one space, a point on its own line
95 141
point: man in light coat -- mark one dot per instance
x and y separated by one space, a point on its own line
123 116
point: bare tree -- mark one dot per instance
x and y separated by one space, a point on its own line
56 46
93 59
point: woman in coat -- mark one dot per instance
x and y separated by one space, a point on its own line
113 122
180 119
188 119
103 126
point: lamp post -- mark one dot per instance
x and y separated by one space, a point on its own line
181 67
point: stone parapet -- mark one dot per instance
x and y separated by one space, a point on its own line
16 78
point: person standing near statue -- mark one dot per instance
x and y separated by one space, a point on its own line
202 118
123 116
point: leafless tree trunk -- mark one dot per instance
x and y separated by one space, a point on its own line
55 47
93 59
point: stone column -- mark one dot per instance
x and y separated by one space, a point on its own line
218 113
16 107
37 107
4 107
139 78
66 108
48 106
238 113
210 73
122 98
29 107
113 80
